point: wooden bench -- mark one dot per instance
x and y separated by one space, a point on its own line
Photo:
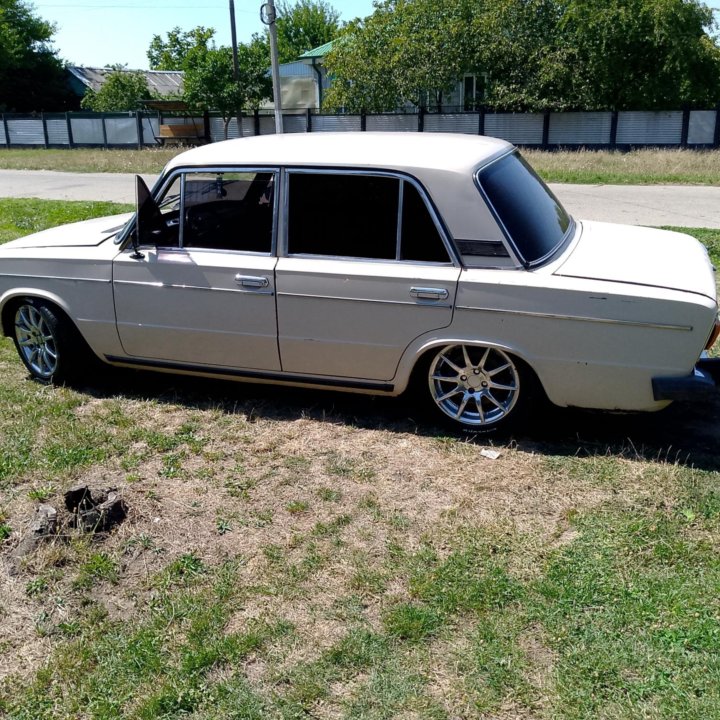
181 133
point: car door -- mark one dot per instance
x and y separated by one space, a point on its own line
203 293
366 270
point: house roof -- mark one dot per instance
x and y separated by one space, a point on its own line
318 52
160 82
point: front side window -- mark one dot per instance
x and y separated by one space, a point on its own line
217 210
532 217
361 216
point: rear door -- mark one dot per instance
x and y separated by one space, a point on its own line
366 270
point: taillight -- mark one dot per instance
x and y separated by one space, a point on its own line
714 335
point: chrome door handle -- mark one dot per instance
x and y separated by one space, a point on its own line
424 293
251 281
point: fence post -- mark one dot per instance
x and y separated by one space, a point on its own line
481 121
45 130
685 129
7 131
421 119
613 129
308 120
102 120
139 129
256 121
716 136
69 130
546 130
363 121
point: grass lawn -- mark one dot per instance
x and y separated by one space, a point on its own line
638 167
148 160
295 554
644 167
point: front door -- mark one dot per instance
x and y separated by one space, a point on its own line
204 293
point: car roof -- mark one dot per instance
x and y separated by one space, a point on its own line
409 151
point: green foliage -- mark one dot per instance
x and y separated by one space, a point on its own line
122 90
209 82
301 26
32 77
537 54
407 51
172 53
304 25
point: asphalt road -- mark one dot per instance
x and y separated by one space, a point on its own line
683 205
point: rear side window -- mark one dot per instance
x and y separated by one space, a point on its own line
361 216
346 215
535 221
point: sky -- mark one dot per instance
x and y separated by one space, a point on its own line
95 33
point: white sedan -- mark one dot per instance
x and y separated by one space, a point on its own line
371 262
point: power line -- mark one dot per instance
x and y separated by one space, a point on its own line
144 8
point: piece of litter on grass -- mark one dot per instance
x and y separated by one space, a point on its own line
490 454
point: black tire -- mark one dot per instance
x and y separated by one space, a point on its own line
48 344
478 390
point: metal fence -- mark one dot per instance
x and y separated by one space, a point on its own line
680 128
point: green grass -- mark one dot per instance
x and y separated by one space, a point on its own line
23 216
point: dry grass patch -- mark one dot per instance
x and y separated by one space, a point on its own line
636 167
147 160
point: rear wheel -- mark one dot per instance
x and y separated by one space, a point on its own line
46 342
482 389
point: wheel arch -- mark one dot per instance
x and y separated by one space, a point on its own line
13 297
417 356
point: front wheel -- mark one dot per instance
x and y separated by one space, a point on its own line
45 342
482 389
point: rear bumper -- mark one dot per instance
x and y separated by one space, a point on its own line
704 380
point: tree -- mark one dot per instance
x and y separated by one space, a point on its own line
209 83
304 25
404 52
122 90
32 77
647 54
171 54
538 54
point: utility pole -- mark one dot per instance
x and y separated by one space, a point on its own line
236 71
268 17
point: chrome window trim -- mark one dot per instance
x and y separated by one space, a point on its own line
399 226
181 219
567 237
454 259
164 181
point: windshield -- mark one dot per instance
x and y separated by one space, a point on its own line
530 215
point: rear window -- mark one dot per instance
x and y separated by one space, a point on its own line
535 222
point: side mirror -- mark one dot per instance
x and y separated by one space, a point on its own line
149 225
